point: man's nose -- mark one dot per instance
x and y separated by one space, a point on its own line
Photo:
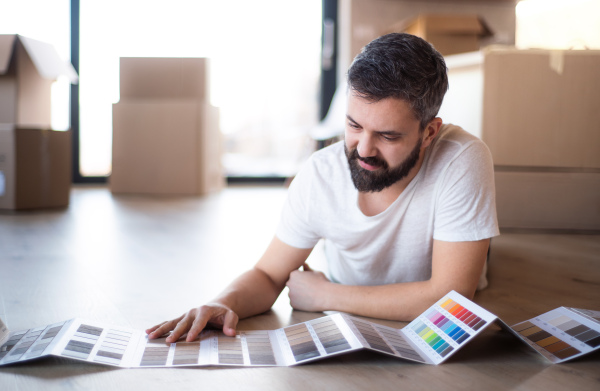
366 146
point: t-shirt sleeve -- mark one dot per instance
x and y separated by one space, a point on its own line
465 207
294 226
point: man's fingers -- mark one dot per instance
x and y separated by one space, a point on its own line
160 329
194 321
202 318
229 323
181 328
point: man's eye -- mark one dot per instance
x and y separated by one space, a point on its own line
390 138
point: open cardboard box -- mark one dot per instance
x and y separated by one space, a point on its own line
35 162
27 70
448 33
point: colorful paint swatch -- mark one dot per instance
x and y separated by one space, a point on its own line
466 317
449 324
438 343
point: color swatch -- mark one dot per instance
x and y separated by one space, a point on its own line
432 338
260 348
156 353
186 353
230 350
301 342
399 343
562 334
82 343
373 339
448 325
330 335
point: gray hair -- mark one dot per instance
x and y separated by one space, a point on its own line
401 66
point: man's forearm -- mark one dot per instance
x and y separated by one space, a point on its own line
250 294
456 266
402 302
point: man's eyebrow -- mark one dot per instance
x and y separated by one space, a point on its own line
390 133
352 119
382 132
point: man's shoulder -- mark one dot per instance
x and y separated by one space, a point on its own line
456 134
453 141
325 164
330 157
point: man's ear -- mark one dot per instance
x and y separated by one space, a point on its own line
431 131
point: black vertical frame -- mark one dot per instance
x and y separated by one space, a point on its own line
329 65
74 109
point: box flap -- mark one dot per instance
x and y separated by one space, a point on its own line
7 43
457 24
446 24
47 61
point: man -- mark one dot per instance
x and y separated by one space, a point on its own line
405 204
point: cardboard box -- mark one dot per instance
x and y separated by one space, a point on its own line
35 168
540 121
448 33
27 70
164 78
548 200
166 147
541 107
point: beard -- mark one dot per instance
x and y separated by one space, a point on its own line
375 181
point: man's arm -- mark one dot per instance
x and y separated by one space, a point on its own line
252 293
455 266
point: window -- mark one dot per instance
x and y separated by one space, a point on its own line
265 68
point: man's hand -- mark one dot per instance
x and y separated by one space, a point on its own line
252 293
307 290
195 320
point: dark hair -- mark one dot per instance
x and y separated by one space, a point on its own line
401 66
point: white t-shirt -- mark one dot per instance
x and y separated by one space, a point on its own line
452 198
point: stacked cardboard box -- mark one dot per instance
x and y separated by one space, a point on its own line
35 161
166 137
541 122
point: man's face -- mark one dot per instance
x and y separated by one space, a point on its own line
382 142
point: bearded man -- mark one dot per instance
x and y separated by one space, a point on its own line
405 205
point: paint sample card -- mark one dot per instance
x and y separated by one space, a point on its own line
430 339
29 344
438 333
75 339
316 340
447 326
562 334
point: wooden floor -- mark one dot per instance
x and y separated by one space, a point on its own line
135 261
